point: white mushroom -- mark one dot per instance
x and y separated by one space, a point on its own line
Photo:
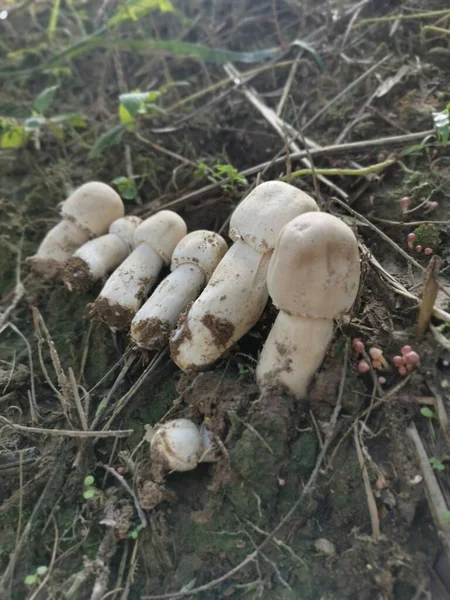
180 445
193 262
95 259
126 289
313 278
236 294
86 214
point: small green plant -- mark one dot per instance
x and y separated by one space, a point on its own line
15 133
36 576
89 489
442 124
446 516
427 236
226 175
135 532
437 464
427 412
126 187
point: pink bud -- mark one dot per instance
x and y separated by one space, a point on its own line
405 350
358 346
404 202
411 237
363 367
382 380
434 205
375 353
418 248
412 358
402 371
399 361
120 470
376 364
380 483
428 251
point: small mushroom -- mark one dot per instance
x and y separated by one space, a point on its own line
123 293
193 262
313 278
236 294
179 445
86 214
95 259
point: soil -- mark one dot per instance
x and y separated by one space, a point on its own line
152 333
85 510
77 275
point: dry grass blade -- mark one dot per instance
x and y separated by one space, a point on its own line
435 496
67 432
429 295
375 521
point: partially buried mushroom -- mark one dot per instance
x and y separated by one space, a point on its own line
236 294
86 214
313 278
97 258
193 262
126 289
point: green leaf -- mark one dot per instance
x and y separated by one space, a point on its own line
89 493
133 103
133 534
136 9
89 480
14 137
310 49
213 55
45 99
445 517
437 464
73 119
42 570
126 186
108 139
34 123
53 18
30 579
427 412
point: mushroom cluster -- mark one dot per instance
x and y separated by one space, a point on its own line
306 260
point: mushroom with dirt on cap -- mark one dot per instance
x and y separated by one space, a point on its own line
193 262
235 297
86 214
313 278
125 290
97 258
180 445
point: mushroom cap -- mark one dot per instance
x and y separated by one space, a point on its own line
178 444
202 248
162 232
124 228
315 268
260 217
93 206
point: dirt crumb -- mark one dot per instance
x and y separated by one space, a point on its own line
152 333
77 275
115 316
221 330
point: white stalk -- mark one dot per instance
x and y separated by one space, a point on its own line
228 307
155 320
95 259
57 246
125 290
294 350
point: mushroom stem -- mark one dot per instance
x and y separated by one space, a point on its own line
57 246
127 287
95 259
155 320
294 350
229 306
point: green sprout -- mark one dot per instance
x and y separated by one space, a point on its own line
89 489
36 576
